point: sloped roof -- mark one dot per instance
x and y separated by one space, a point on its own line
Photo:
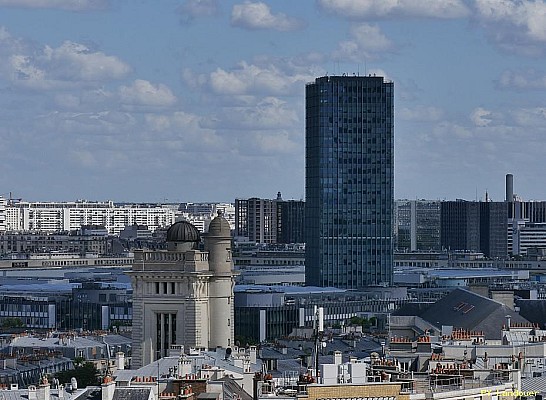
465 309
129 393
533 310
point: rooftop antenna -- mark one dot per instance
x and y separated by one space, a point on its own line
318 327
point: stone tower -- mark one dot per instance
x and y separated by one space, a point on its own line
183 296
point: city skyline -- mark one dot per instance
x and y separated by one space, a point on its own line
204 100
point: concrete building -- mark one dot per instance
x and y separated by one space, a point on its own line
475 226
270 221
349 181
290 221
200 214
417 225
68 216
3 203
183 296
256 219
13 243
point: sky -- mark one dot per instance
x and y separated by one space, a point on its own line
203 100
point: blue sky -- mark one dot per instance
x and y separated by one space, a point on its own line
203 100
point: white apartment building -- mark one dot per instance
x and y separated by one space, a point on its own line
3 203
201 214
65 216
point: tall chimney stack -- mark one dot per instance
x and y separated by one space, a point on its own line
509 187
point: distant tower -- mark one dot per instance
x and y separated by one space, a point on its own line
509 187
349 181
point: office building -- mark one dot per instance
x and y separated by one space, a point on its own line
290 221
475 226
183 296
349 181
256 219
270 221
417 226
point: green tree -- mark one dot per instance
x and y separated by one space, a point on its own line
11 322
86 374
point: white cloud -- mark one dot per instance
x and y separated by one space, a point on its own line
69 65
258 16
253 79
530 117
265 143
73 61
192 9
527 80
144 93
367 41
529 15
481 117
371 9
420 113
516 26
71 5
269 113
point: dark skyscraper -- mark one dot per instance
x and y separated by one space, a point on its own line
349 181
475 226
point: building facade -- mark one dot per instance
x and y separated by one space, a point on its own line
349 181
68 216
183 296
270 221
417 226
475 226
256 219
290 221
3 203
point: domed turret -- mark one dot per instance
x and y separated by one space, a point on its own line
182 236
183 231
219 226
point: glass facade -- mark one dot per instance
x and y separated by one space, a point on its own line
349 181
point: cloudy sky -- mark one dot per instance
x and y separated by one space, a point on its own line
196 100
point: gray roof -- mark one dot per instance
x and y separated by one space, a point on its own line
114 340
131 393
534 385
533 310
464 309
52 342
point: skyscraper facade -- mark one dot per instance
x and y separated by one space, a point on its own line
349 181
475 226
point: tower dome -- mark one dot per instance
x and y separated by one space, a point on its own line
183 231
219 226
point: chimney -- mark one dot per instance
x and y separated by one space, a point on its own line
337 357
32 392
43 392
509 187
508 322
253 354
107 388
120 360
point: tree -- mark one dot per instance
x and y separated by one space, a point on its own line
86 374
12 323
